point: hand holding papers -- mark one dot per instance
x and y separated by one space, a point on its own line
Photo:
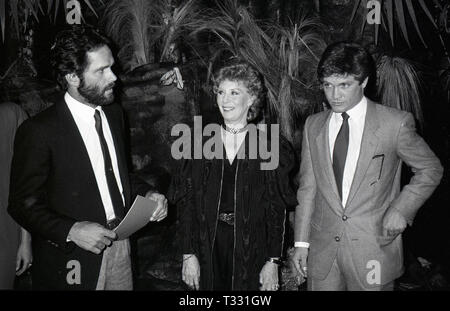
136 218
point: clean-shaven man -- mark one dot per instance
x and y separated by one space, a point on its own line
351 210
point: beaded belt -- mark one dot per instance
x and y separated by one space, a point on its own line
227 218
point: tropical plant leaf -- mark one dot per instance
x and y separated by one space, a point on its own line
30 5
363 24
2 17
15 14
49 6
377 30
91 7
56 10
66 10
39 7
401 20
412 13
427 12
176 23
129 23
33 7
390 18
398 85
355 9
317 5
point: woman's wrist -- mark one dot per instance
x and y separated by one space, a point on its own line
25 236
275 260
187 256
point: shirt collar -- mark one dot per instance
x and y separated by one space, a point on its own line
79 109
358 112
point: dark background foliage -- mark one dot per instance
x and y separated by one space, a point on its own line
204 38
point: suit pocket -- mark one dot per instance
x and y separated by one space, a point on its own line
377 168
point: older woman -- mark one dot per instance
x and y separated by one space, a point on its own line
231 212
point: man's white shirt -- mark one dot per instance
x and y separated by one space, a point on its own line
356 121
84 119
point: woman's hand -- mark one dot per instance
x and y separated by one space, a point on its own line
191 271
268 277
24 257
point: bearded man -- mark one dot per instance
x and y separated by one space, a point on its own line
70 185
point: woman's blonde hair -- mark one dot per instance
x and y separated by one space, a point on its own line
241 71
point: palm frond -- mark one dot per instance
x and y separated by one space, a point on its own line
394 13
176 22
398 85
299 47
128 23
2 16
33 7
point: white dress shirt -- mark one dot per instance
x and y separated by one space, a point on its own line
232 143
356 121
84 118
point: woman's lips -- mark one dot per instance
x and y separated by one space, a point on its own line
227 108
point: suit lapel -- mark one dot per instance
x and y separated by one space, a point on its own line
369 143
324 158
69 133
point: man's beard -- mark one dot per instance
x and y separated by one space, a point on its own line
95 96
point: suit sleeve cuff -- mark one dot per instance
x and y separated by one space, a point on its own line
301 244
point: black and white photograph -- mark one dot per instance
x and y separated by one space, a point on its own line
222 153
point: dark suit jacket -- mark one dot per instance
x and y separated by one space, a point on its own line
389 138
53 186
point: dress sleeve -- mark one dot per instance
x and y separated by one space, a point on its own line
181 195
281 196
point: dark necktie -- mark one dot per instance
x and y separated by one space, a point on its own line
114 192
340 152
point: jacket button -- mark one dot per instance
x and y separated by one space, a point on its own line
344 218
337 239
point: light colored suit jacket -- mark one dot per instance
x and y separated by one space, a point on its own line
389 138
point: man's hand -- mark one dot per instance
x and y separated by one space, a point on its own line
161 210
191 271
268 277
91 236
299 262
393 223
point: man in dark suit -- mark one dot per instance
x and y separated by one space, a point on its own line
351 210
69 181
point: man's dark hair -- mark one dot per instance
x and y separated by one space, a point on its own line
69 52
345 58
